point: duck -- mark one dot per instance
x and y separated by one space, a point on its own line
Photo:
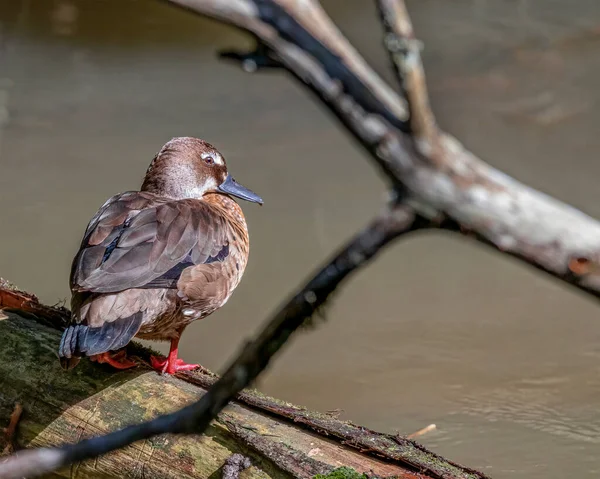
153 261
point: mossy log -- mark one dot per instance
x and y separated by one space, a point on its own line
280 439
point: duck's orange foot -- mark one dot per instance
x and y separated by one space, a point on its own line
163 365
116 360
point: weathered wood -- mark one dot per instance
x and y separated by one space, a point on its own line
281 439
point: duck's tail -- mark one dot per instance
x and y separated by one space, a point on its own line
81 340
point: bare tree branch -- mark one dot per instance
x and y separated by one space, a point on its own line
405 56
251 361
443 177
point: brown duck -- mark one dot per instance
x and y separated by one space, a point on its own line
153 261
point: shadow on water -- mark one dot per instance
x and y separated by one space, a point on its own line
437 330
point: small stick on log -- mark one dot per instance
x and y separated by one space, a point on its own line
420 432
10 431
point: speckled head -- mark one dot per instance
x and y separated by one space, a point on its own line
187 167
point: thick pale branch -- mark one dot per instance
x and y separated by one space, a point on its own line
443 177
252 360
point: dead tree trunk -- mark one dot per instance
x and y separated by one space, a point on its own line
280 439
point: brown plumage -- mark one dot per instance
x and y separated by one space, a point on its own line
153 261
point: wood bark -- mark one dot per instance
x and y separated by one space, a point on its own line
280 439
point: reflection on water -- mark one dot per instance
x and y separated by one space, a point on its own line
504 360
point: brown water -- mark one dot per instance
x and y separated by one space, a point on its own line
438 330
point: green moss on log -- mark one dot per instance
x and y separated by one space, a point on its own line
342 473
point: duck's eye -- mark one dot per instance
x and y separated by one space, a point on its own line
209 160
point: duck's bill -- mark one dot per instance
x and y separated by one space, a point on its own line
231 187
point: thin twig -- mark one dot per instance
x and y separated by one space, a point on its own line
404 51
251 361
420 432
10 432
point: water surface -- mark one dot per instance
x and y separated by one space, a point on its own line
437 330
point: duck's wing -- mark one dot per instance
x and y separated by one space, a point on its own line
136 243
138 240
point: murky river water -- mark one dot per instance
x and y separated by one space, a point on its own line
438 330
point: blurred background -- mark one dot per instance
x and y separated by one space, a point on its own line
438 329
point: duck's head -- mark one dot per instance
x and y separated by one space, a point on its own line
187 167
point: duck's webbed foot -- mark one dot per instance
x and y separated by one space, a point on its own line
117 360
171 365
